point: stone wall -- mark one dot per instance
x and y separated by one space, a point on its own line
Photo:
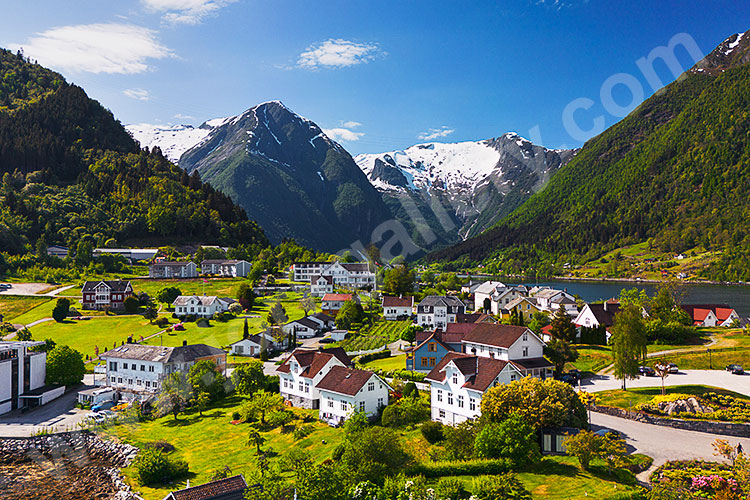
79 463
709 426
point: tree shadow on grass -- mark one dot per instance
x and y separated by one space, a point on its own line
550 466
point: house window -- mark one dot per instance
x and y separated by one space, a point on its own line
138 382
113 366
330 403
119 380
472 404
301 387
424 361
525 336
512 376
344 406
151 368
362 406
148 383
371 386
442 413
143 368
440 395
307 387
450 398
130 381
380 402
525 352
455 378
432 347
460 401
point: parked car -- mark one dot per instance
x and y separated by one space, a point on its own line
105 405
5 286
735 369
647 371
568 378
610 433
97 418
673 368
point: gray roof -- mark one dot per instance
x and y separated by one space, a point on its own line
225 262
306 322
438 300
114 285
356 266
181 354
205 300
166 263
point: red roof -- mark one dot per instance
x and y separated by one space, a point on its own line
698 312
344 380
480 372
337 297
313 361
231 488
495 335
389 301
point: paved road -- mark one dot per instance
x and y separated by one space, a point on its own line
715 378
59 415
663 443
35 289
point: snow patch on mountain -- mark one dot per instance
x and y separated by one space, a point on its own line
173 140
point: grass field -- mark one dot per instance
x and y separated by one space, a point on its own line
13 306
627 399
388 364
212 442
223 287
591 358
717 359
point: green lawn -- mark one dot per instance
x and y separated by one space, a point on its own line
223 287
591 358
379 334
103 332
628 399
388 364
211 442
716 360
13 306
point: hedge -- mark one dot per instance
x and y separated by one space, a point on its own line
460 468
366 358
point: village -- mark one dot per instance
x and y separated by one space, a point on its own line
341 340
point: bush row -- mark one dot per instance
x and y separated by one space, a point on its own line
366 358
461 468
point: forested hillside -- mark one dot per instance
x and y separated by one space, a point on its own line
675 172
70 171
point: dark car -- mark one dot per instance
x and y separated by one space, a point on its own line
673 368
735 369
647 371
568 378
610 433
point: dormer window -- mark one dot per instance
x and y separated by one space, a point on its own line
432 347
525 336
455 378
525 352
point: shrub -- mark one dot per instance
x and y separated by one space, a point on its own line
410 390
513 438
279 418
152 467
475 467
502 487
432 431
302 431
161 445
161 321
236 416
366 358
451 488
131 304
406 411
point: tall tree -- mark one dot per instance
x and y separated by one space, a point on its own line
399 281
628 342
307 304
562 327
175 394
65 366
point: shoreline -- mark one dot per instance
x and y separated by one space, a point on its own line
648 281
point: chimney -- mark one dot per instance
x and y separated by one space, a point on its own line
184 343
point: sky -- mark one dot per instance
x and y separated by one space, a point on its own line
377 76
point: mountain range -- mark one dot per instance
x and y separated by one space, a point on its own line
298 183
675 173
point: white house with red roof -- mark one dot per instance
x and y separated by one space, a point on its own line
711 315
509 343
344 391
459 381
397 308
300 373
331 303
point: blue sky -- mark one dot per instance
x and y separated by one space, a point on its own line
379 75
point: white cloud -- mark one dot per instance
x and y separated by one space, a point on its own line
435 133
180 116
342 134
138 94
96 48
337 53
351 124
185 11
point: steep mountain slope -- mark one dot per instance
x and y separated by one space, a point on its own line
475 183
173 140
676 172
70 172
290 177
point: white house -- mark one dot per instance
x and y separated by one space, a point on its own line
300 373
321 285
325 321
397 308
494 296
169 269
331 303
201 305
137 371
594 315
459 381
22 375
436 311
509 343
226 268
549 299
344 391
57 251
338 335
305 271
343 274
132 254
711 315
305 328
249 346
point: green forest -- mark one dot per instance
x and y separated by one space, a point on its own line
71 173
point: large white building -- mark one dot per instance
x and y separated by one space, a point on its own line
397 308
435 311
300 373
132 254
137 371
226 268
343 274
344 391
459 381
169 269
22 376
204 306
493 296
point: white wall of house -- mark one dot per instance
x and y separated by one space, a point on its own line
303 332
5 386
294 384
392 313
336 407
196 307
245 347
586 318
732 317
136 375
38 368
527 346
320 288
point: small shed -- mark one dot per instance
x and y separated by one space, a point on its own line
337 335
551 439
